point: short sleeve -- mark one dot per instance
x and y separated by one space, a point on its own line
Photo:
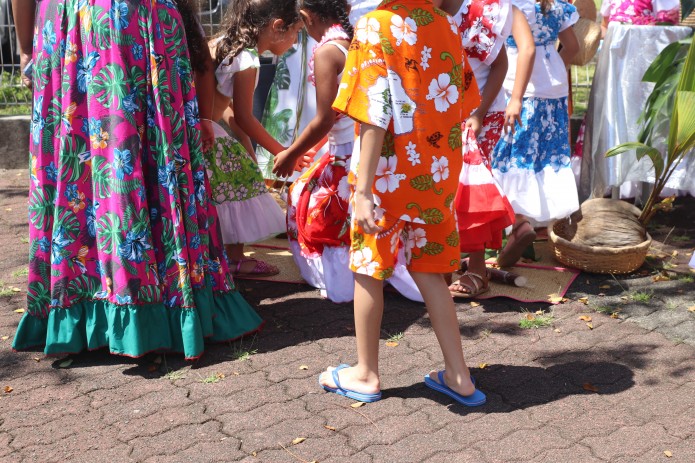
224 73
364 91
569 15
606 8
667 11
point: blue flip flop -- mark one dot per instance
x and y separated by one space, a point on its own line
473 400
360 397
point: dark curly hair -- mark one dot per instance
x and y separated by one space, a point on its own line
245 20
330 10
194 33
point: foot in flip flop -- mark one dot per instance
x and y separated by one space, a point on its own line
330 382
439 384
470 285
521 237
242 268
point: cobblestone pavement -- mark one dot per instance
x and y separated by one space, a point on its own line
618 392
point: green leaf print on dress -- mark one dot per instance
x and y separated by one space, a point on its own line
234 176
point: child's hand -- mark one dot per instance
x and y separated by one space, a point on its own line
363 213
475 123
512 115
284 164
303 162
207 134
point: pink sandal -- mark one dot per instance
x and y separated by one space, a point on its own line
260 269
521 237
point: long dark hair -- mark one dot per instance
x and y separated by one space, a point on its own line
330 10
245 20
194 34
545 5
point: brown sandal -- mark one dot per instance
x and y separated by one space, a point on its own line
478 285
517 243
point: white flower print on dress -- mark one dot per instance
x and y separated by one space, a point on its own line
440 168
362 262
413 155
404 105
417 238
387 180
344 189
403 30
443 92
425 56
452 25
367 30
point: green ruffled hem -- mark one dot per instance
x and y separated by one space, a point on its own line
135 330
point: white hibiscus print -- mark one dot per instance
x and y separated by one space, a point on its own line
413 155
452 25
387 180
440 168
362 262
344 189
443 92
403 30
367 30
417 238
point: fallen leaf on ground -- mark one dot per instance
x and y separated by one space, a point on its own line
585 318
9 209
530 317
16 290
37 359
661 277
674 253
65 363
391 343
557 330
220 375
604 287
589 387
5 338
668 453
253 454
539 312
556 299
357 404
8 389
19 310
303 367
584 300
590 326
330 428
690 309
624 298
614 315
298 440
475 304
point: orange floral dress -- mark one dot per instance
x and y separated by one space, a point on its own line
406 73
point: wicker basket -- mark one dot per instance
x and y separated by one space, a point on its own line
595 259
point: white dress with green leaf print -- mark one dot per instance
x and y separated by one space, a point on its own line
247 212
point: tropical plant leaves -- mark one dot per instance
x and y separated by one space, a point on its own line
421 17
641 150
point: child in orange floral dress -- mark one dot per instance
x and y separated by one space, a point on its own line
404 84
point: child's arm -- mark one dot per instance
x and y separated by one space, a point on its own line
570 45
242 104
521 31
371 141
493 86
205 89
240 135
328 61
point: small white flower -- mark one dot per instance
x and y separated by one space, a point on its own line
403 30
386 177
440 168
426 53
443 94
453 26
367 30
362 262
413 155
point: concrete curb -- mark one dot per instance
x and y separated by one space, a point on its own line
14 142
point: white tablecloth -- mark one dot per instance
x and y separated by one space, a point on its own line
617 99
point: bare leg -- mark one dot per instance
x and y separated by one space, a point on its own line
235 253
369 309
442 311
